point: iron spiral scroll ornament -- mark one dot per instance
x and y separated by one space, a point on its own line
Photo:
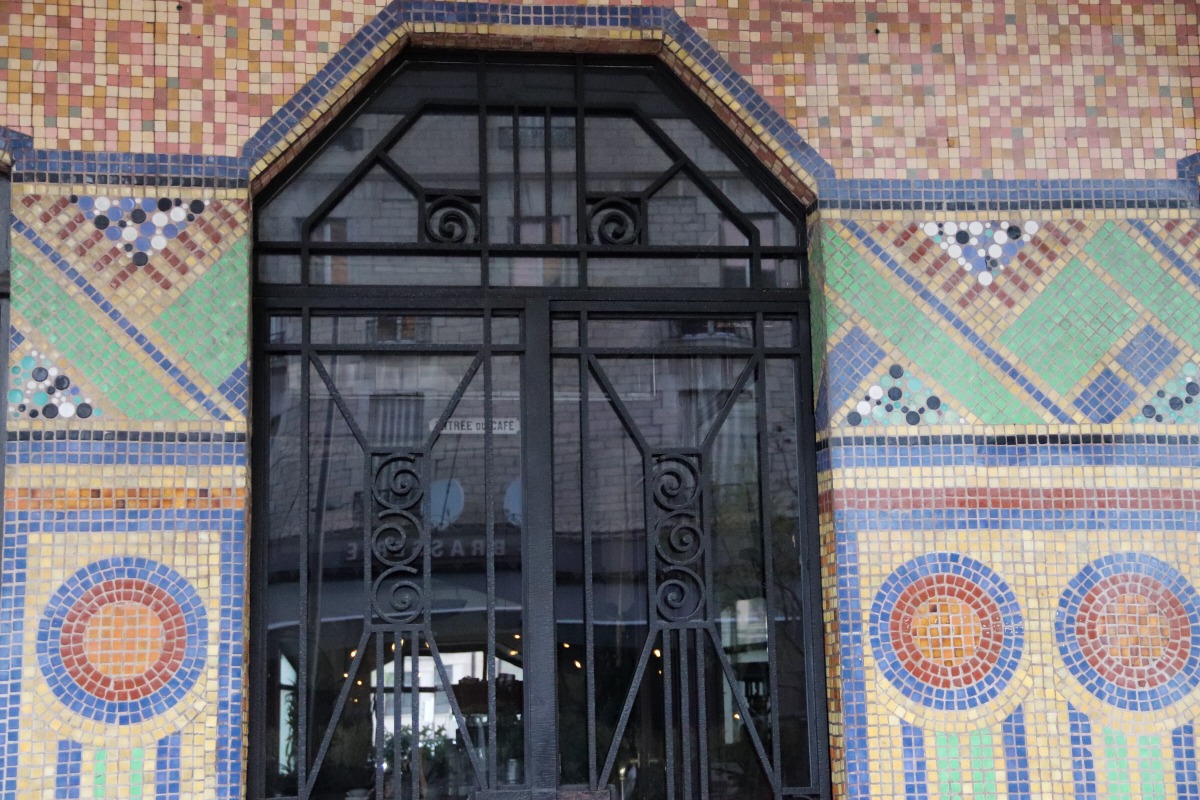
452 219
678 538
615 220
396 538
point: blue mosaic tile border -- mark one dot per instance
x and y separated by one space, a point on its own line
167 765
11 141
69 770
99 448
1007 195
404 12
230 645
126 326
1017 519
1016 755
1187 776
850 653
13 555
912 740
1033 450
1083 763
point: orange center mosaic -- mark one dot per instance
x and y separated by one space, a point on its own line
124 640
947 631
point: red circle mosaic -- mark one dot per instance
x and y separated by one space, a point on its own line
123 639
1134 631
947 631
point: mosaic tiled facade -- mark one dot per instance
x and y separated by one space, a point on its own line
1006 272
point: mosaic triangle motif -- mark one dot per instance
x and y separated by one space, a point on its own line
139 226
981 248
1177 402
898 397
40 388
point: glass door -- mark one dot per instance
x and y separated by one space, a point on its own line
686 667
554 549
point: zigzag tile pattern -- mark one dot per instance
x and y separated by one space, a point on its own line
1080 324
159 340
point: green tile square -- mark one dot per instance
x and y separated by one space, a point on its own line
1069 327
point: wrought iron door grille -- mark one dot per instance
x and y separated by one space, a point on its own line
535 484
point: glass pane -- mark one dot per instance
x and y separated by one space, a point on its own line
671 332
620 157
441 151
648 272
279 269
680 214
531 179
416 270
397 329
533 271
779 332
377 209
524 85
781 274
285 330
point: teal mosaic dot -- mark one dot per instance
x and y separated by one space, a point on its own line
15 396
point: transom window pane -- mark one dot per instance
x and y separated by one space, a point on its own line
522 175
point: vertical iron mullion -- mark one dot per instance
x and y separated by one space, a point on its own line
380 727
685 709
485 273
414 740
537 549
258 646
516 175
668 676
581 226
490 558
702 714
302 639
397 708
586 524
768 540
810 562
548 150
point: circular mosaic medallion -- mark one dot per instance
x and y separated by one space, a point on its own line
947 631
123 640
1128 628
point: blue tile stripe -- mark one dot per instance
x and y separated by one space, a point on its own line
69 769
1187 776
1016 755
34 165
953 195
230 660
147 346
167 764
951 450
1164 249
851 652
15 340
912 740
126 453
1083 764
13 554
977 341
